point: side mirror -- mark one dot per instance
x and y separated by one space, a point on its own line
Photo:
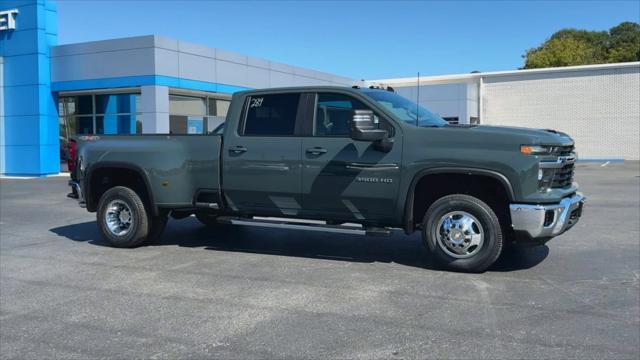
364 127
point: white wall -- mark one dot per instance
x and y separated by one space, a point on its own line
154 106
598 105
446 100
156 55
599 108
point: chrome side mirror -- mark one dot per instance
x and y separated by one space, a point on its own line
365 126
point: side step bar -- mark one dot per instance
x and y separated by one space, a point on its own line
295 224
207 205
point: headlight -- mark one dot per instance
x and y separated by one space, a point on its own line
536 149
545 179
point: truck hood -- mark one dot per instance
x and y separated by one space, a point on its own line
534 136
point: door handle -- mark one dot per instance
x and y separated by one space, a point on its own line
316 151
238 149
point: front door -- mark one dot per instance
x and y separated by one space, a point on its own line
262 161
343 178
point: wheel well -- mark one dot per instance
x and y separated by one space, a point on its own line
105 178
486 188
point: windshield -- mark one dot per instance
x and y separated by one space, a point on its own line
405 109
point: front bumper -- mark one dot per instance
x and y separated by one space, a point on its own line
548 220
76 193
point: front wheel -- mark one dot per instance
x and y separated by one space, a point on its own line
463 232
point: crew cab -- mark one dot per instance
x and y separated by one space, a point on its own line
336 159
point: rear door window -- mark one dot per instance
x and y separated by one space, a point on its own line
271 115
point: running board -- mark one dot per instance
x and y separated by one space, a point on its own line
296 224
207 205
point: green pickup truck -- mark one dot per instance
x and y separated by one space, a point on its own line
335 159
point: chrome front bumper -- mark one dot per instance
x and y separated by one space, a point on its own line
76 193
548 220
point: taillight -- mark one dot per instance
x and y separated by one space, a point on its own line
71 163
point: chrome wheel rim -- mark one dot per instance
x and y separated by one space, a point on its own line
119 218
460 234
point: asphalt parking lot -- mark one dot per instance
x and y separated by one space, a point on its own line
246 292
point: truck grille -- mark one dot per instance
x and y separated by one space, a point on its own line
563 176
563 150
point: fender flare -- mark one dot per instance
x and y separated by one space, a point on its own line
117 164
408 207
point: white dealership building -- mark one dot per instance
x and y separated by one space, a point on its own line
598 105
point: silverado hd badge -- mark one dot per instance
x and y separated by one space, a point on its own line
374 180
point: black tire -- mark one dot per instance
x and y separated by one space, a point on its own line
138 232
481 256
208 219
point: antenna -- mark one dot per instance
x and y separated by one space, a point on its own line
418 100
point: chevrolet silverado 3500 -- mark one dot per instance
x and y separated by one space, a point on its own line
344 156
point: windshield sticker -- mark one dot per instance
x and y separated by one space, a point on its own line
256 102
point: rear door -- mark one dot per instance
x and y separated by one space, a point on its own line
343 178
262 159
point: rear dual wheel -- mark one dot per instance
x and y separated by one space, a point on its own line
124 221
463 233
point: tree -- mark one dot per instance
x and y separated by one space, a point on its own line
624 44
581 47
561 52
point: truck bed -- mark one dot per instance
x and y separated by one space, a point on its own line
176 166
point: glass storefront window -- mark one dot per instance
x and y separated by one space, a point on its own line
84 125
213 122
115 104
119 114
186 105
218 107
196 115
177 124
192 125
84 105
75 105
138 124
99 125
114 114
67 106
112 124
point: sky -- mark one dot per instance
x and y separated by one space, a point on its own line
358 39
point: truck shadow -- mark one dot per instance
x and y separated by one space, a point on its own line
398 248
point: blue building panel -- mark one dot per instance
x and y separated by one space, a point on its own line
51 25
19 130
20 159
30 122
22 100
29 15
51 6
27 100
49 158
22 42
21 70
145 80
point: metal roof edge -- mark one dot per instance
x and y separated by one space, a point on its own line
473 76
